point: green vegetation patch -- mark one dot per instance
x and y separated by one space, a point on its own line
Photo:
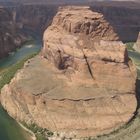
7 74
40 133
130 46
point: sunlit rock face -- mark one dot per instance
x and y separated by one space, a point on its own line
82 84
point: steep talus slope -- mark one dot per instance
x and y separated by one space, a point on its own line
82 83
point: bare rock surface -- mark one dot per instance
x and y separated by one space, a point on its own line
82 84
137 44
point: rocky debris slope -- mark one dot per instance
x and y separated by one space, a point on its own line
81 85
137 44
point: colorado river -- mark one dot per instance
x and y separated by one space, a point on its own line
9 128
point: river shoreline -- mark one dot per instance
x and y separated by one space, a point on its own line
33 137
9 128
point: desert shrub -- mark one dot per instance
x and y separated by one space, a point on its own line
40 133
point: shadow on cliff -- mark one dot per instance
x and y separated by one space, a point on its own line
124 20
138 92
137 112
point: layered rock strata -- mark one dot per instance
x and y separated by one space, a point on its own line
82 84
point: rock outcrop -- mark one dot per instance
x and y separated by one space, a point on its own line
82 84
137 44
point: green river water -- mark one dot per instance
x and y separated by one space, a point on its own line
9 128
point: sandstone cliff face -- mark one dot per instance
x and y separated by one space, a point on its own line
137 44
82 84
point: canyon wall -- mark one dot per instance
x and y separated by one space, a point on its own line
82 84
18 21
36 18
124 17
9 38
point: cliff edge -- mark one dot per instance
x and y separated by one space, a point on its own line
82 84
